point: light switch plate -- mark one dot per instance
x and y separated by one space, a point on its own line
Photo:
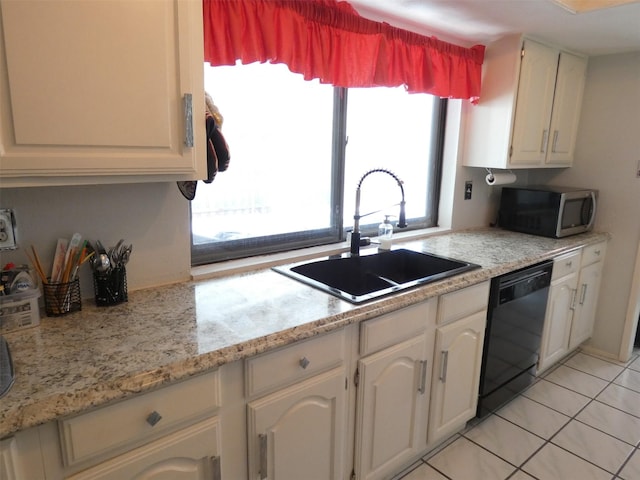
7 229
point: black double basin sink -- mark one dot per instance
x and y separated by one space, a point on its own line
358 279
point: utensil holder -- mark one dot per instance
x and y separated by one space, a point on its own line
111 288
62 298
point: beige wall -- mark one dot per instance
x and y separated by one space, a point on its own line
607 156
153 217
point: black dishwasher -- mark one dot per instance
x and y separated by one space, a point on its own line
515 318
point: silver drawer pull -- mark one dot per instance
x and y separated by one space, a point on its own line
304 362
262 444
187 104
555 141
153 418
543 143
215 468
444 355
568 264
423 377
597 252
583 294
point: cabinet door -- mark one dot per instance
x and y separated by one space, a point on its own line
21 456
393 402
557 322
190 454
533 105
586 302
456 374
299 432
567 103
96 89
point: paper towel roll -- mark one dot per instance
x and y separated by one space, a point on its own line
500 178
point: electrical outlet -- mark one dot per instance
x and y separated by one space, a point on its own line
468 187
7 230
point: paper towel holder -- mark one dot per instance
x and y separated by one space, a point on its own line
490 178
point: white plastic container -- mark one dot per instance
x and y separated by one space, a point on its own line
19 310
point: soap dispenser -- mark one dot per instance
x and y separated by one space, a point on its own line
385 232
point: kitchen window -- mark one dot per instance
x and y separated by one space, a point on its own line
298 149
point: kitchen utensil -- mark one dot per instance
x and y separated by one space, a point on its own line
103 263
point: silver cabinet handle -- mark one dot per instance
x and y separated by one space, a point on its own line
153 418
568 264
304 362
573 299
216 471
187 103
583 293
423 377
543 143
597 252
262 440
444 356
555 140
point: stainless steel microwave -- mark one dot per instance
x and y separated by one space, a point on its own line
547 211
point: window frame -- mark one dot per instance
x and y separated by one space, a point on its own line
207 253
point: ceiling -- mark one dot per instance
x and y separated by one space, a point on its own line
600 31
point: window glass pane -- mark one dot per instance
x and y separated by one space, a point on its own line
391 129
279 131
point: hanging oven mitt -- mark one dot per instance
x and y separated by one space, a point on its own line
217 152
217 149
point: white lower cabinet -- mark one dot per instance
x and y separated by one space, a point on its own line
189 454
557 323
587 297
571 307
299 432
393 397
21 456
456 374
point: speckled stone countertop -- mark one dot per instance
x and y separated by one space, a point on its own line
68 364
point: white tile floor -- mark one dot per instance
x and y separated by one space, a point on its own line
579 421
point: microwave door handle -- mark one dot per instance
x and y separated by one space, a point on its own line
593 211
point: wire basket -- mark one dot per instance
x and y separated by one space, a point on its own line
62 298
111 288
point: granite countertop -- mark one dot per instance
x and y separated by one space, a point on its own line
88 358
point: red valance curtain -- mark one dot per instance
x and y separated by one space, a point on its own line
330 41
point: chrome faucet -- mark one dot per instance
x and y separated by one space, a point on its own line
402 220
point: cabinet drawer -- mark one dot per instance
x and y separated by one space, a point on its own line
464 302
129 423
593 253
295 362
396 327
566 264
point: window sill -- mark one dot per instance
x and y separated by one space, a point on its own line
231 267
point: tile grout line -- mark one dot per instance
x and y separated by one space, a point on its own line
570 419
636 447
573 418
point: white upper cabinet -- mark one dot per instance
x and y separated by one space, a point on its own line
529 107
566 109
97 92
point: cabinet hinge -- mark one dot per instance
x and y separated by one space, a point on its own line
356 377
522 52
346 383
353 474
511 151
